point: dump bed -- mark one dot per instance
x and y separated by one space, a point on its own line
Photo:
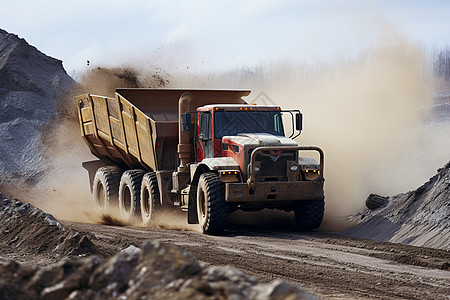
138 128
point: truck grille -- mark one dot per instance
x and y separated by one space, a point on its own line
273 163
273 169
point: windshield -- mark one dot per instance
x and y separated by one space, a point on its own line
234 122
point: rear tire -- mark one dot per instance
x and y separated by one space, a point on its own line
105 188
129 195
150 198
212 210
309 214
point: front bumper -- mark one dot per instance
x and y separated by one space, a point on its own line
274 191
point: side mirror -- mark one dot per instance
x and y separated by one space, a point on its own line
186 122
299 121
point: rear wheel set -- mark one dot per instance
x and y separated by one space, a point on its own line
115 191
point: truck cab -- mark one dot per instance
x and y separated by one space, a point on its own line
259 166
216 122
236 130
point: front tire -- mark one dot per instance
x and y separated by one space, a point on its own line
129 195
150 198
309 214
212 210
105 188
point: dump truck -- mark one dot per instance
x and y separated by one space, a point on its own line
207 152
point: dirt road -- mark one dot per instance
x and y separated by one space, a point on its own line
325 264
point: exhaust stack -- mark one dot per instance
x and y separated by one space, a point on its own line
184 141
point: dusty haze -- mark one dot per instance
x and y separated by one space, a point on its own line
65 188
369 114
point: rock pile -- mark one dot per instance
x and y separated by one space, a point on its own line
26 230
419 218
154 271
31 85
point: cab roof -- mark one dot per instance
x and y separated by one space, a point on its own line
234 107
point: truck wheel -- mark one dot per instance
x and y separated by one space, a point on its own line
150 199
130 194
105 188
212 210
309 214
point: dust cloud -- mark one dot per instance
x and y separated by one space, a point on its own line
65 186
167 218
371 115
173 219
64 189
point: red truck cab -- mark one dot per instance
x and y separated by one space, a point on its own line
215 124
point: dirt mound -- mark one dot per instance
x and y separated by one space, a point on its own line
154 271
419 218
28 230
31 84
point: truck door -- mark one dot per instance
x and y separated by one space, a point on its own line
205 134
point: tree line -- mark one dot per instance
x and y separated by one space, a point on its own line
440 62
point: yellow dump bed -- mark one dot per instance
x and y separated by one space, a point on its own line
139 127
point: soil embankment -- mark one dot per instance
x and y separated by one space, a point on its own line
420 217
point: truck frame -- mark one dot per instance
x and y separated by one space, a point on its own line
206 151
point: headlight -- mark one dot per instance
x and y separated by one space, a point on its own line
311 174
229 176
293 168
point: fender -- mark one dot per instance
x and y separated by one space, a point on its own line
220 163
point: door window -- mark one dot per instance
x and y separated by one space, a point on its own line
205 134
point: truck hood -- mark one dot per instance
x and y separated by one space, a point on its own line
260 139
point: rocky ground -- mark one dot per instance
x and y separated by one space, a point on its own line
42 258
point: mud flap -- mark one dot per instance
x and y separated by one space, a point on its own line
192 217
92 167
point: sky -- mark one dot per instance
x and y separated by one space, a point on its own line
218 35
